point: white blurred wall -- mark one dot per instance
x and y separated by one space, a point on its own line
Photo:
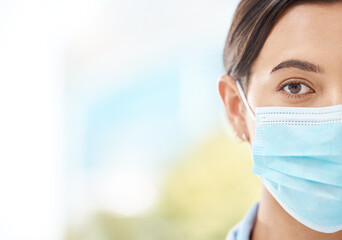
31 125
64 66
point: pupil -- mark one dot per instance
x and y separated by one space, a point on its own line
294 88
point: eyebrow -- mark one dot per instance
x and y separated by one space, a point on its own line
302 65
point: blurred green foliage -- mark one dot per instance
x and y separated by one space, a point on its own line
204 194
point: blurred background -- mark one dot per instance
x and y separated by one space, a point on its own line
111 122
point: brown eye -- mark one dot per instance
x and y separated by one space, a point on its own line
296 88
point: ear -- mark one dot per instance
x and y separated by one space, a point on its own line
234 108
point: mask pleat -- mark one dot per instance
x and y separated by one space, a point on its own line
300 141
306 168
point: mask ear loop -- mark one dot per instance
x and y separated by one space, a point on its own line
244 100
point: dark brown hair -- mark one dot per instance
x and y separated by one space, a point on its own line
252 23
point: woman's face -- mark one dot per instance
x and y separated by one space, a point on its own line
300 64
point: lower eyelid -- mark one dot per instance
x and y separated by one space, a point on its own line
291 96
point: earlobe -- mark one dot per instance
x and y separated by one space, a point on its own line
232 104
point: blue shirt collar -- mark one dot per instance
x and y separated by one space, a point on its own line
243 229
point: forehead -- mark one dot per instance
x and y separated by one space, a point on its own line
311 32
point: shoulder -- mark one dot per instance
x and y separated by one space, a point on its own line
242 230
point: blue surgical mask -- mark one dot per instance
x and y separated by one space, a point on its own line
297 154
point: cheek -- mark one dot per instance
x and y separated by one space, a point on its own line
251 129
253 101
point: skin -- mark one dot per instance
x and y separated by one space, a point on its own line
308 32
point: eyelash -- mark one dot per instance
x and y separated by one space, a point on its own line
293 96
